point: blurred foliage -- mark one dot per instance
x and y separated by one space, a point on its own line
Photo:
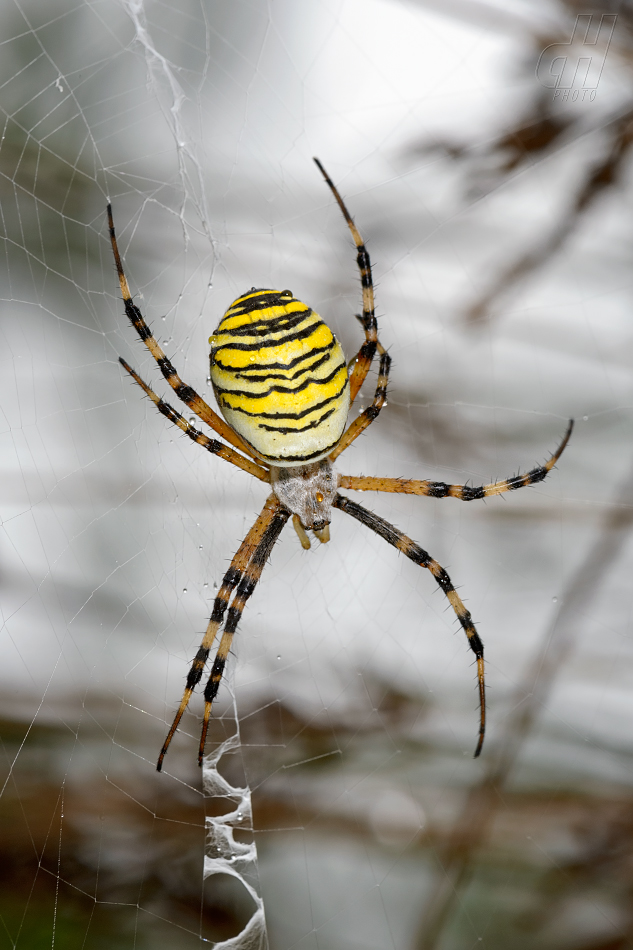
547 123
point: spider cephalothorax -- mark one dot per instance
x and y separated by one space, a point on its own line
282 384
308 491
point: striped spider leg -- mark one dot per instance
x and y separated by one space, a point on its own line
419 556
364 358
244 572
368 415
188 395
411 486
365 355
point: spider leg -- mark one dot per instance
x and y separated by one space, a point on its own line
365 355
188 395
246 586
419 556
211 445
269 515
409 486
368 415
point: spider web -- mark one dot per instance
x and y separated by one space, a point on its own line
339 798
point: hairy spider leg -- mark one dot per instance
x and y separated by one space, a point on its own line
409 486
372 411
188 395
245 589
233 576
419 556
365 355
211 445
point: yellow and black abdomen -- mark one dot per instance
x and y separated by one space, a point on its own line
280 377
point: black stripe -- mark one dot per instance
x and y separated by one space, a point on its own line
266 298
288 415
231 577
265 375
518 481
475 644
471 494
219 606
286 430
444 581
195 673
368 350
301 458
290 338
166 368
264 327
537 475
186 393
364 264
136 318
263 367
442 490
368 320
213 685
289 391
246 588
262 376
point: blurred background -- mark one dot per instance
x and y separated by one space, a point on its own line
484 150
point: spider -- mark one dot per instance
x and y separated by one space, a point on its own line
285 390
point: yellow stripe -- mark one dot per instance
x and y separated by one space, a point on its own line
286 403
271 349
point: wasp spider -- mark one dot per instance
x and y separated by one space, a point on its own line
283 386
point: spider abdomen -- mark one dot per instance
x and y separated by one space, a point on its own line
280 377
